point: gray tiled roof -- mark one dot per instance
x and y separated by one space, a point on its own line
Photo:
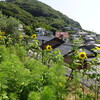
64 48
45 38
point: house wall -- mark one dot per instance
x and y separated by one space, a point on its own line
86 65
62 35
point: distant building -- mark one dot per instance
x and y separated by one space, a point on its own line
40 31
97 45
67 50
48 33
90 54
89 40
20 27
68 28
43 32
74 29
54 42
62 35
81 33
71 28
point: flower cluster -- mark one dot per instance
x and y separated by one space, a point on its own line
60 84
2 33
97 48
33 36
1 37
21 36
82 55
48 48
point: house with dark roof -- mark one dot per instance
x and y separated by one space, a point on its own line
67 50
44 39
54 43
43 32
87 49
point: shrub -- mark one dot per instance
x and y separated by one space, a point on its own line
34 96
48 94
9 25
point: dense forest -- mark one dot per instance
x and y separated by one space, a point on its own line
33 14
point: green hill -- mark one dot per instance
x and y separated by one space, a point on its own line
12 10
37 14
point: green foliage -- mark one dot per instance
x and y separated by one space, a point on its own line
21 52
25 78
10 9
28 30
37 14
34 96
40 76
47 94
8 25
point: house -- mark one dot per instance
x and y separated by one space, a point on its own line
87 49
81 33
48 33
71 29
40 31
43 32
67 50
74 29
43 39
75 36
97 45
20 30
54 42
20 27
62 35
68 28
89 42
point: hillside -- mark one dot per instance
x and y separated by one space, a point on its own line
30 70
12 10
37 14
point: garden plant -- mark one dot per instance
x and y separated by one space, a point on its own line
42 74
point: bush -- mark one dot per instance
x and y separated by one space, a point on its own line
24 78
48 94
8 25
34 96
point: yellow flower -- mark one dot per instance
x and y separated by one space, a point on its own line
97 48
2 33
1 37
20 36
33 36
82 55
48 48
60 84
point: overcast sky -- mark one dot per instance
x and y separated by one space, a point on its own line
86 12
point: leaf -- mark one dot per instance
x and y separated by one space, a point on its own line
4 96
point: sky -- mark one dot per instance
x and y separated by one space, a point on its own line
86 12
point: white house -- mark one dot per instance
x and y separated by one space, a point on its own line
40 31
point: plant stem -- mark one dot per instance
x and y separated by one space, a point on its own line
70 74
83 78
42 51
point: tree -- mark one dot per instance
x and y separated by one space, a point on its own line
8 25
